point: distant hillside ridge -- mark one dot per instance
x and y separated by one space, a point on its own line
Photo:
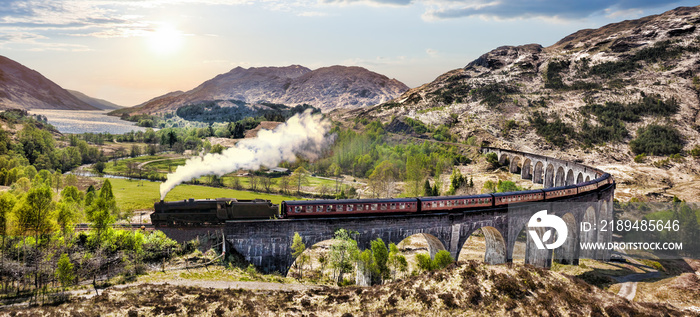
26 89
95 102
325 88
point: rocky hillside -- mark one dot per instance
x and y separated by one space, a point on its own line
23 88
585 97
324 88
95 102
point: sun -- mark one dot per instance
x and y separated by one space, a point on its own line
165 40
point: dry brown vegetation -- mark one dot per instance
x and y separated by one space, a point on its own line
469 288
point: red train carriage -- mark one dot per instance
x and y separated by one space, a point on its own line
517 197
561 191
338 207
447 203
587 186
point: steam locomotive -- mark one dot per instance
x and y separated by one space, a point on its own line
217 211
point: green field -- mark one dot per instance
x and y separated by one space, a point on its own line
136 195
245 181
120 167
163 166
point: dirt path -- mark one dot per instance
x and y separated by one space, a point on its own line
629 286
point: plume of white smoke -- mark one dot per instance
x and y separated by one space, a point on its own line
303 134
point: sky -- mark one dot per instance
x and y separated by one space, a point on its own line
130 51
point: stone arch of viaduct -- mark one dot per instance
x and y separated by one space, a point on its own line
266 243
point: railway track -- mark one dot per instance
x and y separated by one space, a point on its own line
123 226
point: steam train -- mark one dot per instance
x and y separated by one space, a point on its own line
217 211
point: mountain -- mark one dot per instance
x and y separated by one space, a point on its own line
325 88
624 97
23 88
97 103
619 77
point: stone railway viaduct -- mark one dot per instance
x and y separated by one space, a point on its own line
266 243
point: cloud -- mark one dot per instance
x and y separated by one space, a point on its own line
312 14
432 53
516 9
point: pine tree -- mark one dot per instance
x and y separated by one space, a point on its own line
427 190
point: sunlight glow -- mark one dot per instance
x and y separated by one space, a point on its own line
165 40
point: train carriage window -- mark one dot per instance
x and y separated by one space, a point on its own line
319 208
383 206
350 207
402 205
442 204
374 206
297 209
448 203
339 207
359 207
392 206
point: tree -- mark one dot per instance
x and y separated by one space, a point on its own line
102 210
299 177
217 148
456 181
22 185
39 201
64 272
98 213
57 180
99 167
425 263
253 181
90 195
323 190
135 150
71 193
397 261
384 176
152 149
106 191
416 171
267 183
427 189
7 203
236 183
71 180
132 168
492 158
443 258
381 256
334 170
490 187
366 267
285 184
66 215
298 248
343 253
34 216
